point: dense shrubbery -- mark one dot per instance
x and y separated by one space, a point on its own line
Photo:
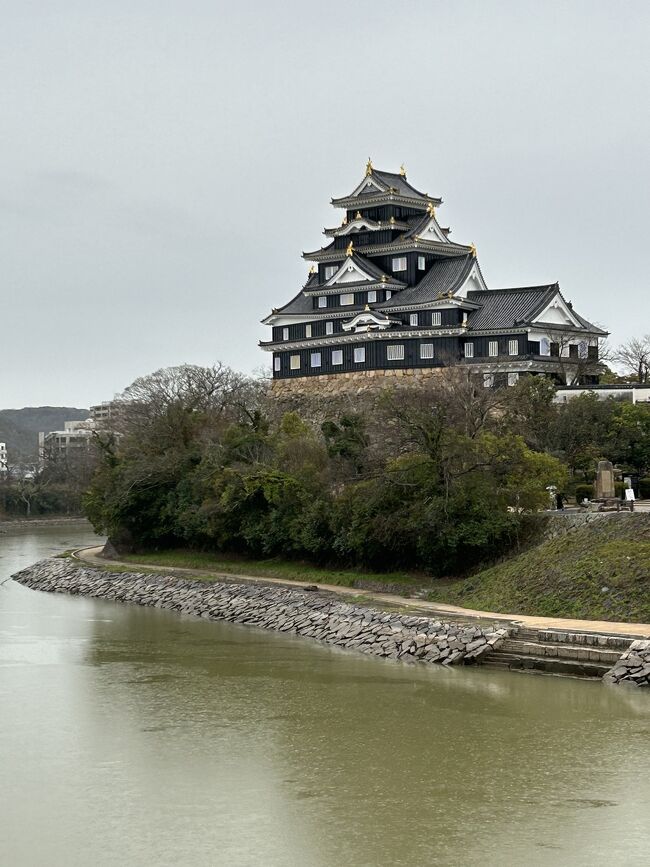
438 483
201 463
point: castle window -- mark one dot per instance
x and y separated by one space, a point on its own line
329 328
359 354
513 347
421 263
346 300
513 378
337 356
493 348
413 319
389 294
395 352
399 263
372 296
469 350
308 330
285 333
436 318
488 380
426 350
315 359
294 362
330 271
322 301
277 364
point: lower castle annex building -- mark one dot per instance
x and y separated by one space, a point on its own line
391 291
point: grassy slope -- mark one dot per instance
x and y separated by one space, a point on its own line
288 570
567 576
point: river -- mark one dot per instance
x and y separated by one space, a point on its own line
132 736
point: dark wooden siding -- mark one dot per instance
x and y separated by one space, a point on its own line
481 345
445 351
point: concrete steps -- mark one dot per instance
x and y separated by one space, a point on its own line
560 653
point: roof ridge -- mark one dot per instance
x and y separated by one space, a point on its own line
515 289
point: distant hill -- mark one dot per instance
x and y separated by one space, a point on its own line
19 428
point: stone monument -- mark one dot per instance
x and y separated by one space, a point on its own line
605 489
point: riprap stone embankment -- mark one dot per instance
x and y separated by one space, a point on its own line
633 668
314 615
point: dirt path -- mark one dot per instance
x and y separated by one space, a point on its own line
636 630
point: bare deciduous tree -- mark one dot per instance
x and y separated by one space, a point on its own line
634 357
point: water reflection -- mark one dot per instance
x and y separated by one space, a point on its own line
137 736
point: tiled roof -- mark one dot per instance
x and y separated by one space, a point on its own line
505 308
445 275
399 182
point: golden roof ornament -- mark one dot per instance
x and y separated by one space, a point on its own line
383 278
312 270
344 221
369 167
472 249
392 220
431 208
349 250
367 307
357 216
402 170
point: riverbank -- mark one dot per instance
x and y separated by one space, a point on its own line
306 612
319 614
41 521
587 566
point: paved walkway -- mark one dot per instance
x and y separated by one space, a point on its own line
635 630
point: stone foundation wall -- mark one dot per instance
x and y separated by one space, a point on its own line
355 382
315 615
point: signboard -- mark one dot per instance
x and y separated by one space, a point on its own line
629 494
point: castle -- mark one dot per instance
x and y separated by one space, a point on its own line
390 293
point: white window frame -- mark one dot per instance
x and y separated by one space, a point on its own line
395 352
330 271
315 359
469 350
308 329
277 364
346 300
493 348
294 362
399 264
337 357
322 300
359 354
422 264
372 296
285 333
513 347
329 328
389 294
436 318
413 319
426 351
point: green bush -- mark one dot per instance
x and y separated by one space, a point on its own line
584 491
619 490
644 488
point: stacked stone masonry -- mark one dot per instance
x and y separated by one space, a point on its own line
633 668
312 615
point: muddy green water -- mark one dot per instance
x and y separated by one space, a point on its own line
130 736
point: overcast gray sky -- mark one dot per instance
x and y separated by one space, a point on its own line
165 162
